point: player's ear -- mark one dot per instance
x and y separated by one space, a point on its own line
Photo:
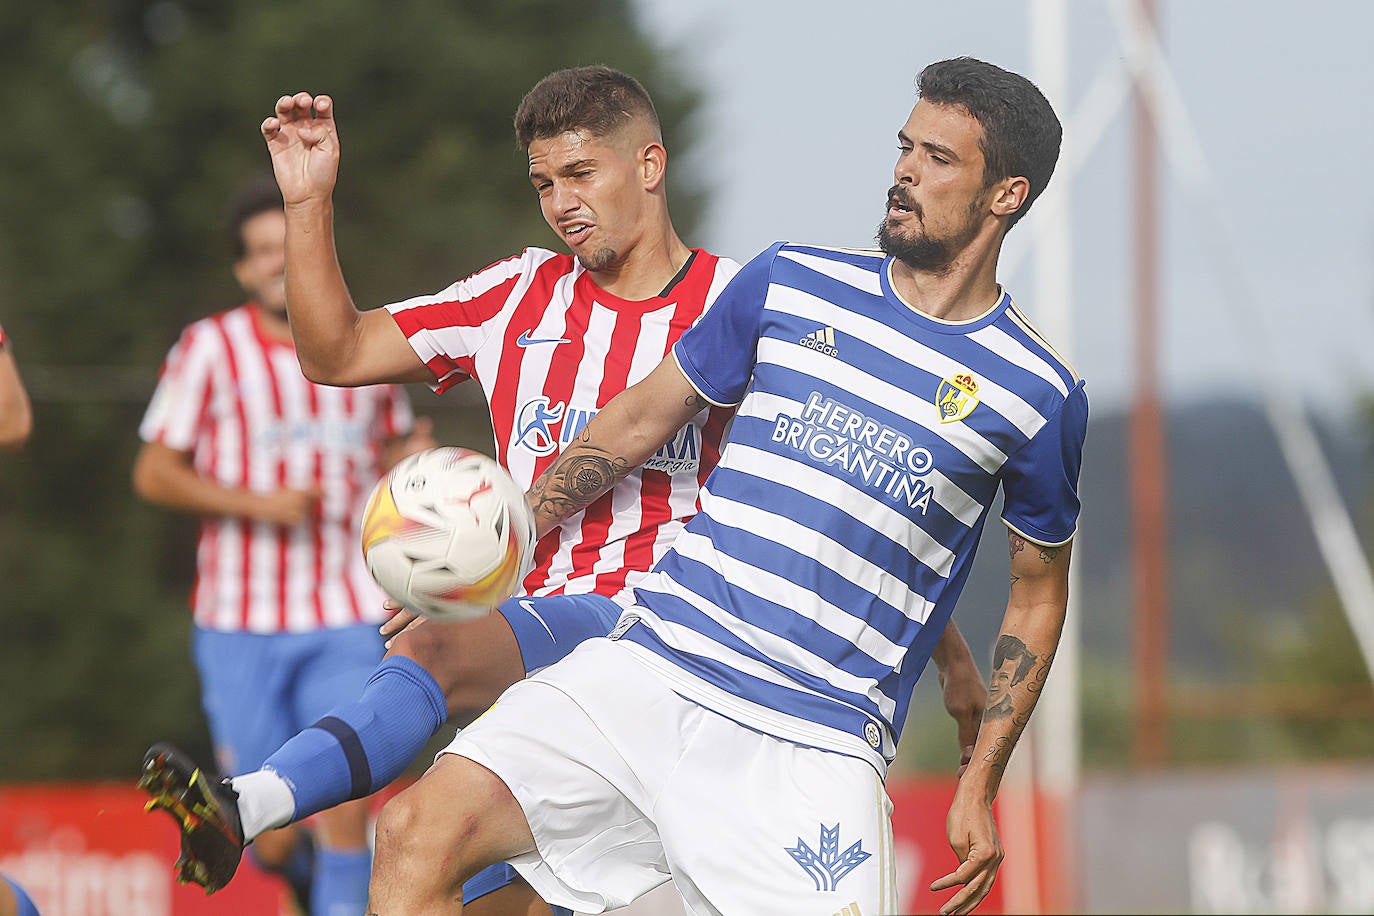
1009 195
653 165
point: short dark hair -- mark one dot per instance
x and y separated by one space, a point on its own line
1021 133
258 194
597 99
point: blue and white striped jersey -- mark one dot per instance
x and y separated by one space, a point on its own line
834 537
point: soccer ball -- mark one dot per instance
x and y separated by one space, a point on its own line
448 533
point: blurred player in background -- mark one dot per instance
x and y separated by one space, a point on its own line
16 421
736 727
276 467
551 338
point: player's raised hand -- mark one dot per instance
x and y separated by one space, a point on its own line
303 139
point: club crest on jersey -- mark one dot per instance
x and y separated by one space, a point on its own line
956 397
828 865
533 426
542 428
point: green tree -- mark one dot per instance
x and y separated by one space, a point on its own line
129 123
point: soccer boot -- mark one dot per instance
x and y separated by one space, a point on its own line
206 812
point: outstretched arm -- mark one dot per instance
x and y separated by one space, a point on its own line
621 437
16 414
335 342
1034 619
165 477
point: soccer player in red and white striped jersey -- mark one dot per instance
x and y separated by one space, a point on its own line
551 338
277 468
549 347
280 467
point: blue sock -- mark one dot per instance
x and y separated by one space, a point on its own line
361 747
340 882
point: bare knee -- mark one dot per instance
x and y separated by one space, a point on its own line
457 819
416 845
412 822
472 661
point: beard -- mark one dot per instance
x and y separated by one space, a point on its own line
917 248
601 259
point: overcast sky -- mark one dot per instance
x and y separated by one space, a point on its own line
804 98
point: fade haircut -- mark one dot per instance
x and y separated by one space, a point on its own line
1021 133
596 99
258 194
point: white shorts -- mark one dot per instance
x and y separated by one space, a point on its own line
625 783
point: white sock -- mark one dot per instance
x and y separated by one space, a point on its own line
265 802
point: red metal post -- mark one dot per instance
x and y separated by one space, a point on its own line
1147 462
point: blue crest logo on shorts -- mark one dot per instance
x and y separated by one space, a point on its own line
829 865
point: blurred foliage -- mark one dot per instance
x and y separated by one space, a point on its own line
1300 691
129 124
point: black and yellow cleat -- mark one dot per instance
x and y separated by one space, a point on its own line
206 812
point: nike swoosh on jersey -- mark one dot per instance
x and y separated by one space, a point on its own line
529 606
525 340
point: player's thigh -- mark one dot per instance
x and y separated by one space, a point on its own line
499 891
331 668
547 629
584 746
245 688
781 829
459 813
472 661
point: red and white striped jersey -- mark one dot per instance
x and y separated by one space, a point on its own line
236 400
550 348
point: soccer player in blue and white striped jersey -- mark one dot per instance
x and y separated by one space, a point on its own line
734 729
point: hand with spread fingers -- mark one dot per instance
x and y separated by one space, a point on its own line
303 140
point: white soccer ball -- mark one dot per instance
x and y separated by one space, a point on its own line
448 533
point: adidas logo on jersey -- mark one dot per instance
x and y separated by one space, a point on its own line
822 341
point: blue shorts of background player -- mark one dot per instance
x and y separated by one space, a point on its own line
432 672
